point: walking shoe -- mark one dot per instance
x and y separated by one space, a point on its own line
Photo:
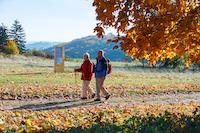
107 97
83 98
97 99
93 95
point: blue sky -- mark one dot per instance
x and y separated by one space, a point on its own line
50 20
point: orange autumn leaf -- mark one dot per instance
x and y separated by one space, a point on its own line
148 26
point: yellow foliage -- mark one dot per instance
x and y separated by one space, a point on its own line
12 47
85 117
2 125
17 114
152 25
28 122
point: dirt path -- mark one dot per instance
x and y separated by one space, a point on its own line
44 104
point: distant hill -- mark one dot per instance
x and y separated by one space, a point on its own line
90 44
41 45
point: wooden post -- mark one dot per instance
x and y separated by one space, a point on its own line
59 56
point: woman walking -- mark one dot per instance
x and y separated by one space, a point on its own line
86 69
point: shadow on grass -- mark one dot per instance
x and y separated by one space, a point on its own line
57 105
29 73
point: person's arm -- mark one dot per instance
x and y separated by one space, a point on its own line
88 70
105 64
78 69
93 68
97 63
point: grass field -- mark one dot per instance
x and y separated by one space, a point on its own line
29 83
35 76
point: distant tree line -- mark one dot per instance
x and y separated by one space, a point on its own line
13 40
38 53
173 63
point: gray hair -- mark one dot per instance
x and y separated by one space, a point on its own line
87 54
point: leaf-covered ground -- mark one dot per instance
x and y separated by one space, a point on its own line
105 118
33 98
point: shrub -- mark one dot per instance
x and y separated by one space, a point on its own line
38 53
11 48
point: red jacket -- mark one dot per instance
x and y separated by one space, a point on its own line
86 69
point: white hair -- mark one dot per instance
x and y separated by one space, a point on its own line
87 54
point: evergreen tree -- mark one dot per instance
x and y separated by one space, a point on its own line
17 33
3 37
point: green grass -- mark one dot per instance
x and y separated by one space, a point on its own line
45 76
18 74
26 78
32 81
36 70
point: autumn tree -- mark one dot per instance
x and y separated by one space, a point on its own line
17 34
11 47
152 29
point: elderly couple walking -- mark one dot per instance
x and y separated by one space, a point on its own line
100 69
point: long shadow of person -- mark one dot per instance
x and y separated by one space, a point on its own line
57 105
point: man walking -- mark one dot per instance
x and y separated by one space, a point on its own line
101 69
